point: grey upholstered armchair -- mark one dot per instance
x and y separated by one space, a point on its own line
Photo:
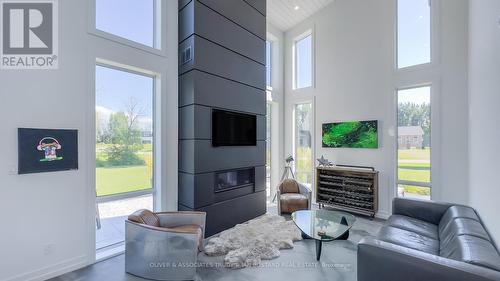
292 196
163 246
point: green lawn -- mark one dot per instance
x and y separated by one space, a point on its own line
414 174
121 179
115 180
414 165
417 190
414 154
304 164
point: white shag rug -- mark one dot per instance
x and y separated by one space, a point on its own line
258 239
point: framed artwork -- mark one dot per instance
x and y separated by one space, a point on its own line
47 150
353 134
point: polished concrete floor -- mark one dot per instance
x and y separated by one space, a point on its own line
338 262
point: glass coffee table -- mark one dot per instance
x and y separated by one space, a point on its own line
323 226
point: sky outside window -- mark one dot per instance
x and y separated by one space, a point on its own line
115 89
130 19
303 56
414 32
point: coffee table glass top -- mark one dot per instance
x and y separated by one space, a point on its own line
324 225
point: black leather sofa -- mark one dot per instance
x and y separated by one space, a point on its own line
427 241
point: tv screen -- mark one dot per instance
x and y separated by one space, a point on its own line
47 150
233 129
355 134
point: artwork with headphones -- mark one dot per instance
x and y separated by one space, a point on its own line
47 150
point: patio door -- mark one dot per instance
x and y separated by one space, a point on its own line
124 144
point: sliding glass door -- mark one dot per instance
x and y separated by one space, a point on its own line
124 149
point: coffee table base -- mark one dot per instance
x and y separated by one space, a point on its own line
319 243
328 226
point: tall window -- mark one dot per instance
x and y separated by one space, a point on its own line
268 63
268 149
303 62
130 19
124 149
414 142
414 32
303 139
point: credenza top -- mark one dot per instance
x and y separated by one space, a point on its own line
348 169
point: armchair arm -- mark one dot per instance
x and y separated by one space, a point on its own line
383 261
172 219
307 192
161 229
429 211
149 252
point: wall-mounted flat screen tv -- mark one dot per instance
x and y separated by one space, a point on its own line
47 150
353 134
233 128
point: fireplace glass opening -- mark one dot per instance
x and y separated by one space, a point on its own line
233 179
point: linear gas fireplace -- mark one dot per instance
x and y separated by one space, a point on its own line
229 180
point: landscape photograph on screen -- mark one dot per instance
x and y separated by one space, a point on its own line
353 134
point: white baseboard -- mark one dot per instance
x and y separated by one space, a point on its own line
105 254
382 215
51 271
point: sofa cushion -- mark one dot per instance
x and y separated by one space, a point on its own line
291 202
454 212
409 239
473 250
415 225
461 226
145 217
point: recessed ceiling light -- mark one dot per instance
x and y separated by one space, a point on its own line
296 8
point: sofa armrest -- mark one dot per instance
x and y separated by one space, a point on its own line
172 219
429 211
383 261
307 192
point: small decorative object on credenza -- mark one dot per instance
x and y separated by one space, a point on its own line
348 188
47 150
323 162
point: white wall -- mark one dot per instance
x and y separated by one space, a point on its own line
277 116
49 218
484 117
355 79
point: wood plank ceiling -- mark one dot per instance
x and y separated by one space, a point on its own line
285 14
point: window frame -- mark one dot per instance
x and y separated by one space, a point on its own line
432 146
269 68
159 42
434 39
307 33
313 138
269 145
161 63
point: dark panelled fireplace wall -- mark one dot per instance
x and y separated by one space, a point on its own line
222 68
